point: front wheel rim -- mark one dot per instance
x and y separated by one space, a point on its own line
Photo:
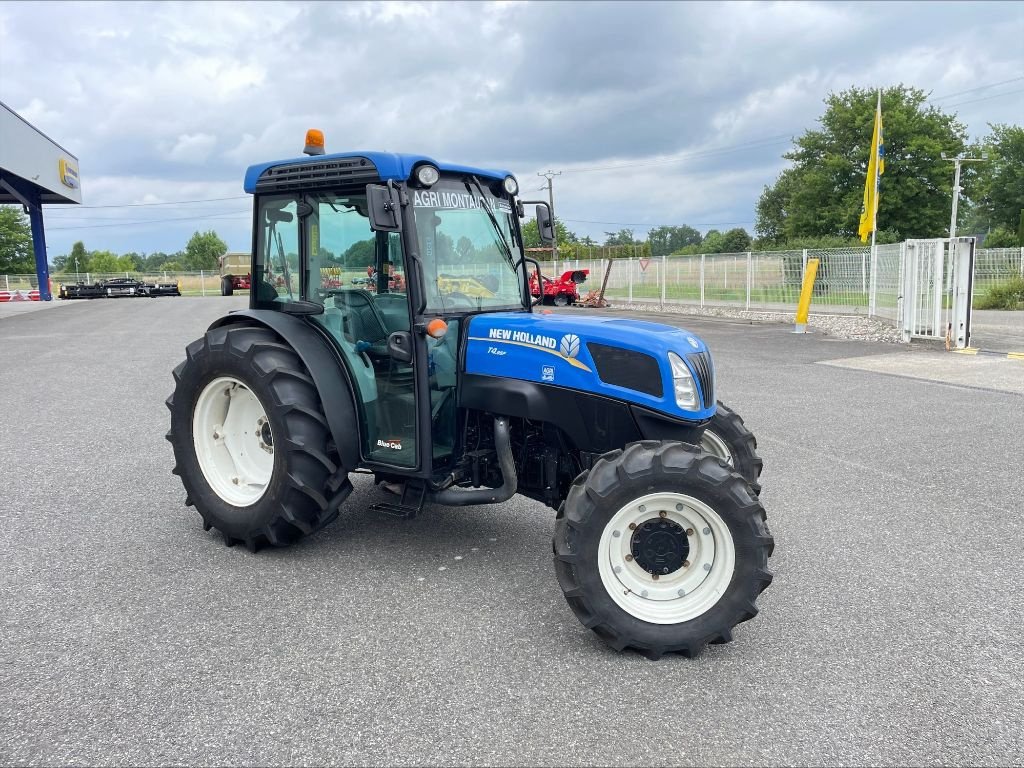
233 441
676 593
711 442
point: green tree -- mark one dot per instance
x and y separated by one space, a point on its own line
666 240
822 194
134 260
359 254
622 237
105 262
735 240
78 259
16 256
996 198
203 250
531 235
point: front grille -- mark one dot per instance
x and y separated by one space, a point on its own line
329 173
626 368
705 370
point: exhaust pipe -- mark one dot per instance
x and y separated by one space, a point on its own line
462 497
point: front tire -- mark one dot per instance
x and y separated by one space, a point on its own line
227 288
727 438
662 548
250 439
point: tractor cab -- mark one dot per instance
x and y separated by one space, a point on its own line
388 255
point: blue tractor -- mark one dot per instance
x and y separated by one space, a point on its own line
391 331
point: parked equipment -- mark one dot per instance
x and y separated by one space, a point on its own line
453 391
118 287
560 292
234 273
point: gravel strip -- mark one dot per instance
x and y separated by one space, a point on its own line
855 327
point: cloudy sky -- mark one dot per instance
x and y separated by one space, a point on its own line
661 113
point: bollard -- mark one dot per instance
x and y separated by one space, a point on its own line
804 307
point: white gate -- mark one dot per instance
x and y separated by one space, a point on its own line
937 277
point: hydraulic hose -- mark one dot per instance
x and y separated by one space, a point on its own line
461 497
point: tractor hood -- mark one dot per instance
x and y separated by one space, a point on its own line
619 358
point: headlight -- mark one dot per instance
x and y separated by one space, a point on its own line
682 381
511 185
427 175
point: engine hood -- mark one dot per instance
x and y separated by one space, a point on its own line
620 358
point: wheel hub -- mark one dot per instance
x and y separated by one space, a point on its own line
659 546
666 557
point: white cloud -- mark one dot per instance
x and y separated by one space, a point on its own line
192 148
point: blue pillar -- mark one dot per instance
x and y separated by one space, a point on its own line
35 216
28 194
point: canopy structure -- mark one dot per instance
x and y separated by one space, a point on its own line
35 171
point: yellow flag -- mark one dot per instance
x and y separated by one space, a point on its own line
876 167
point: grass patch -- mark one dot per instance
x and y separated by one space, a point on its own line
1008 295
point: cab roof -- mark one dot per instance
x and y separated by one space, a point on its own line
390 166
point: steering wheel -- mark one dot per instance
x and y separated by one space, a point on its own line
458 296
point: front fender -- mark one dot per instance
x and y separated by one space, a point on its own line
328 372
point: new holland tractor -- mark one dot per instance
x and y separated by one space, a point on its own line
461 396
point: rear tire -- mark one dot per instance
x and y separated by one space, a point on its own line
270 481
727 437
561 300
696 510
226 286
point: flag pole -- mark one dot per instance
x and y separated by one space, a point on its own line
874 222
874 214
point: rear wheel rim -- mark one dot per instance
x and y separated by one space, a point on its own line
712 443
686 591
233 441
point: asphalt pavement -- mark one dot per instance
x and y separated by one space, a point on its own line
890 635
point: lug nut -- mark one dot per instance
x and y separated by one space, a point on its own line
629 558
689 531
663 513
686 563
632 526
654 576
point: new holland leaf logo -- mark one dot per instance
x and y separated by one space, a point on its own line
570 345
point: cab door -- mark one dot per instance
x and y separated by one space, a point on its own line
359 277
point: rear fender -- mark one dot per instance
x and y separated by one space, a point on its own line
328 372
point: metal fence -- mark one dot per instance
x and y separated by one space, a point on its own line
200 283
850 280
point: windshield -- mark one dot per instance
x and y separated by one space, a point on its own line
468 247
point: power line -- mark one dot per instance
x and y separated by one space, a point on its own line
977 88
151 221
728 149
169 202
982 98
57 215
652 224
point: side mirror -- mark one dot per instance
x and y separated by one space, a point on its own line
384 208
545 226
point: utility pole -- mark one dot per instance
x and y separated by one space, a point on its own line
956 184
549 175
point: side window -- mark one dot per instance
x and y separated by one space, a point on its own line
278 276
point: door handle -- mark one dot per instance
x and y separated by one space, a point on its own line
400 346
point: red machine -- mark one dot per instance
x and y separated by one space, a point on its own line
560 292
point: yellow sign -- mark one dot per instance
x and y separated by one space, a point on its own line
68 173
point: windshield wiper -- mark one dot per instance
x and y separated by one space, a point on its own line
494 222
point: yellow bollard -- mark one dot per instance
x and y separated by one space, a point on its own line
804 307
